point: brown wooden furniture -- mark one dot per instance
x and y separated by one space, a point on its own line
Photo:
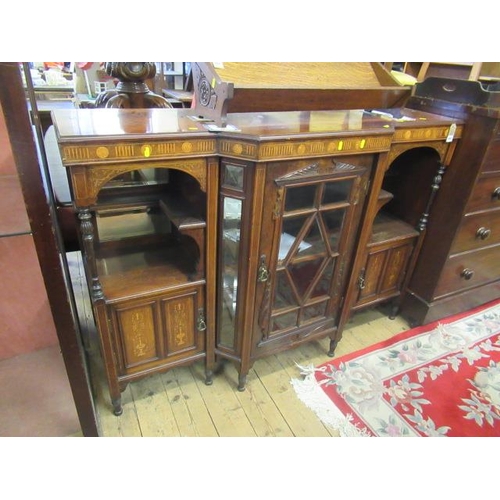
458 267
233 87
245 240
142 183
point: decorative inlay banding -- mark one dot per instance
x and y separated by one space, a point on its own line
102 152
136 151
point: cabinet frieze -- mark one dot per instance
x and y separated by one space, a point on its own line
412 134
279 150
127 151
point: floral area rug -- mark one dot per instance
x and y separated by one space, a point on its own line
441 379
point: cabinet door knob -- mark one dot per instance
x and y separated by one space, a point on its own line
496 194
467 273
483 233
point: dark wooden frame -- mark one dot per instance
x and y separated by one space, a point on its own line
48 244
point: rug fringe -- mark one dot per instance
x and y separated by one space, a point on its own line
310 393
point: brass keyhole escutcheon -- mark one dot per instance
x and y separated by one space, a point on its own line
263 272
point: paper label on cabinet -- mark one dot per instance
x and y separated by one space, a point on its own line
451 132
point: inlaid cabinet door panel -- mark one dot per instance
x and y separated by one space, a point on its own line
164 329
137 334
179 317
308 246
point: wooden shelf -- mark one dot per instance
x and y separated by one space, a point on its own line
180 212
384 198
144 269
388 228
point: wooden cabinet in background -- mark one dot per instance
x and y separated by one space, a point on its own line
458 267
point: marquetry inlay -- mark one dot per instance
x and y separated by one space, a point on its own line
135 151
138 342
424 134
236 148
180 321
137 334
277 150
87 182
397 149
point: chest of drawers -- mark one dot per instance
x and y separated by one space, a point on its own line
459 265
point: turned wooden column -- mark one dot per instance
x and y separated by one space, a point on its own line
131 90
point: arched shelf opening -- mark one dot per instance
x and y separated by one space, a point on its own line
150 221
409 179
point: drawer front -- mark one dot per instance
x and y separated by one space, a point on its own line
478 231
486 194
491 160
469 270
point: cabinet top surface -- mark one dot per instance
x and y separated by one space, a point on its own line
81 124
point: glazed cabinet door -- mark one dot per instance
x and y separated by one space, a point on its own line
235 222
306 248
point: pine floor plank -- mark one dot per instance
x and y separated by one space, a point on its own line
224 407
128 421
188 406
300 419
154 412
261 410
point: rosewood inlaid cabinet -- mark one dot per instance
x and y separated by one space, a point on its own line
213 244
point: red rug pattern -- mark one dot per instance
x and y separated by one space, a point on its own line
441 379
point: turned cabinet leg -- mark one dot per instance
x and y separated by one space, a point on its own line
394 311
333 346
242 381
209 377
117 406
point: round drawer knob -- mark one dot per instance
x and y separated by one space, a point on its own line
496 194
483 233
467 274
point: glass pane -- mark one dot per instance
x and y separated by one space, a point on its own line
336 192
333 222
229 274
287 320
314 312
233 176
323 285
284 294
291 228
304 273
300 197
313 243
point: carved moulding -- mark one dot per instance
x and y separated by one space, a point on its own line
397 149
88 181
